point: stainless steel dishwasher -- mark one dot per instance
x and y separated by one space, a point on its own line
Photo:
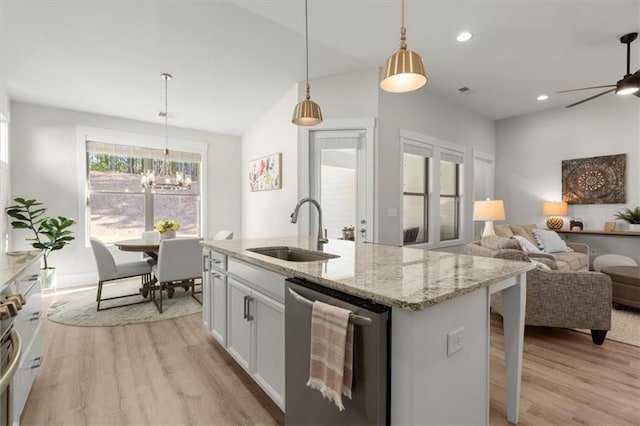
371 374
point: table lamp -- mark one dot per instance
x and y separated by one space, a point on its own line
488 210
554 209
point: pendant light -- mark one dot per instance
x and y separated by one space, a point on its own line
307 112
403 71
165 179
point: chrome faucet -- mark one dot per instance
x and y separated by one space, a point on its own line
294 218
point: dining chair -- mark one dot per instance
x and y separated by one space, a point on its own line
109 270
179 265
223 235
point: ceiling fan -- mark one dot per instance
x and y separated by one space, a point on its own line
630 83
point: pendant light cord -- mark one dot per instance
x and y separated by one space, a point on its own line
306 38
403 31
166 114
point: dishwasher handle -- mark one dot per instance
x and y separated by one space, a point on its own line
354 318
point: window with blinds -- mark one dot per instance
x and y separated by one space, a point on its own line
120 208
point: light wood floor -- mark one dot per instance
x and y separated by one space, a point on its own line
172 373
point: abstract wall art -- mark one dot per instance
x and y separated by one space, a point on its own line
595 180
266 173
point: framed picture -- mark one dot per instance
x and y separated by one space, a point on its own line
609 226
595 180
266 173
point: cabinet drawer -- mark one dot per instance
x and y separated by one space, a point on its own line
29 317
218 260
267 282
26 372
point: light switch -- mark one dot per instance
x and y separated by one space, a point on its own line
392 212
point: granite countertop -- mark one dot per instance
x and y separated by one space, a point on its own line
411 279
14 262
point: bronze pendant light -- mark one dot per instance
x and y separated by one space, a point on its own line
307 112
403 71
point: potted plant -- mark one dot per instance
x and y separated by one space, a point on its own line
348 233
50 233
631 216
167 228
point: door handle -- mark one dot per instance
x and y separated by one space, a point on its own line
249 300
204 263
245 307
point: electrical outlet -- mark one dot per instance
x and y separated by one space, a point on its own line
455 341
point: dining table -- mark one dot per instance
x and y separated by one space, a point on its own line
149 247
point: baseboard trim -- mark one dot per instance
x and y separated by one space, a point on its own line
77 280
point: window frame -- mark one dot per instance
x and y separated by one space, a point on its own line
83 134
439 151
425 200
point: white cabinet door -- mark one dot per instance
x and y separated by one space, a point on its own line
206 290
239 337
269 346
219 306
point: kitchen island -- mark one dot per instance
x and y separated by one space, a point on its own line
440 317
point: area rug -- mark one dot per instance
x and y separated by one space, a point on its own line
79 308
625 327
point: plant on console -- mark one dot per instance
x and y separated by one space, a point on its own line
50 233
632 216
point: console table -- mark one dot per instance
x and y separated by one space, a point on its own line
598 232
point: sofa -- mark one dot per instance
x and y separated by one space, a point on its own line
561 291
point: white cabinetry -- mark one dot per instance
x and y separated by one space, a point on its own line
214 295
28 323
244 308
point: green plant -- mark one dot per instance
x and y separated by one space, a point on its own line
629 215
349 228
50 233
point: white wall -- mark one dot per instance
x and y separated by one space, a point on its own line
44 166
429 114
530 150
266 213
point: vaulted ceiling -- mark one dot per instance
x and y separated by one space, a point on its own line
232 60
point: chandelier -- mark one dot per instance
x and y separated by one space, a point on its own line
165 178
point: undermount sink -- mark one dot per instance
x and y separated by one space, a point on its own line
293 254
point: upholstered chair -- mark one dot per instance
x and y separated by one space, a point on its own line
109 270
179 265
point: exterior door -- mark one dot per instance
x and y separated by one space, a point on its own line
340 171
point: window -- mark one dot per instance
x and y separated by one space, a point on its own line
449 201
415 199
432 191
118 206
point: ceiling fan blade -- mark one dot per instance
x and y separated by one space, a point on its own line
592 97
587 88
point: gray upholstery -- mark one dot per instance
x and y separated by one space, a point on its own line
568 299
223 235
109 270
179 264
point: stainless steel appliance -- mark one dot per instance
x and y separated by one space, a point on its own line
10 351
371 376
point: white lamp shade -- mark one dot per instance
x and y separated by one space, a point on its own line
554 208
488 210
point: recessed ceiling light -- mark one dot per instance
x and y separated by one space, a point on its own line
464 36
542 97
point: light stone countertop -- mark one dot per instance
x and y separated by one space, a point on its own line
411 279
14 263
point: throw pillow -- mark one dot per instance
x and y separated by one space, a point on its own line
541 265
503 231
523 232
527 246
495 242
550 241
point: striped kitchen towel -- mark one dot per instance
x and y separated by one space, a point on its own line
331 363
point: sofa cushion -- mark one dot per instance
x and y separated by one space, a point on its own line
550 241
571 261
503 231
524 231
495 242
